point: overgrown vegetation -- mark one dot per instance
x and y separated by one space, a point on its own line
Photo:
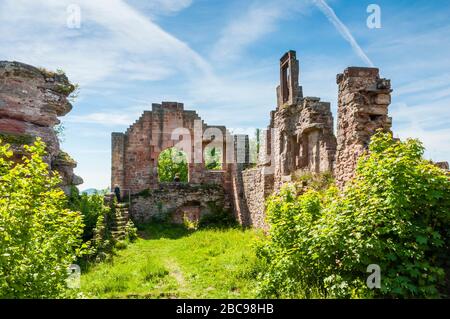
169 261
172 163
59 130
91 208
39 236
313 181
395 213
99 222
16 139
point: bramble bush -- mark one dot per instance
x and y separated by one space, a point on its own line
39 236
91 208
395 213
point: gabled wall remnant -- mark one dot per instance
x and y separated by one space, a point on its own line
31 100
135 154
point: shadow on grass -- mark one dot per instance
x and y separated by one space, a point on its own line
162 230
158 230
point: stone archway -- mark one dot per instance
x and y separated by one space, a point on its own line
190 211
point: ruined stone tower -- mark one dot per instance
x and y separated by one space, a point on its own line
363 102
301 128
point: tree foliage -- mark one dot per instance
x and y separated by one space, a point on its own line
395 213
91 208
170 163
213 158
39 236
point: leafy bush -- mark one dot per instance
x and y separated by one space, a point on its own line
91 207
39 236
190 224
395 213
131 231
103 241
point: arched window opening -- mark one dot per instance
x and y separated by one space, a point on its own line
213 158
172 166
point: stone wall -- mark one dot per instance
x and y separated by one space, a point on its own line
172 201
363 102
257 187
31 100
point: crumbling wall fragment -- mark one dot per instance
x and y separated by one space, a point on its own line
363 103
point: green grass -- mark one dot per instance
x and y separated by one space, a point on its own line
172 262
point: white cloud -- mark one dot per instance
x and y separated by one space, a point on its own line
342 29
115 42
258 20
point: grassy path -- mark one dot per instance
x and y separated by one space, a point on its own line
171 262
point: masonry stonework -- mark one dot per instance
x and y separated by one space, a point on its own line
300 136
363 102
178 201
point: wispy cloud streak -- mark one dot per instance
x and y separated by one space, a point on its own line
342 29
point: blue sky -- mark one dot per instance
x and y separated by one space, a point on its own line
221 59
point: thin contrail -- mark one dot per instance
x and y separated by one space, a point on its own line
343 30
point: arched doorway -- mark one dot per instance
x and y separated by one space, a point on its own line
173 166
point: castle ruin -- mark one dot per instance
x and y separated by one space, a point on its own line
299 138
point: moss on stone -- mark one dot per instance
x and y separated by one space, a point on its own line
65 89
64 157
16 139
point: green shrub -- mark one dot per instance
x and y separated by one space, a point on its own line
190 224
39 236
131 231
91 207
395 213
121 244
103 241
